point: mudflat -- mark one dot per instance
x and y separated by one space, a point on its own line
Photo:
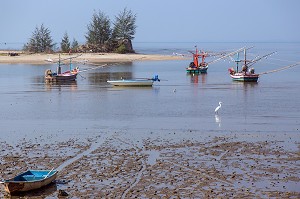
161 165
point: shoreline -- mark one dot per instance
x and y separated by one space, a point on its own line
92 58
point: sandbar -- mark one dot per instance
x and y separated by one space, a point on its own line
92 58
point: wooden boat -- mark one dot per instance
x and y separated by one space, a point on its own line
134 82
29 180
247 74
61 77
194 66
58 76
244 76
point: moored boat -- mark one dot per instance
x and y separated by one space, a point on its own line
29 180
195 66
59 76
244 76
247 74
134 82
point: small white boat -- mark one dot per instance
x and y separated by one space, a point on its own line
134 82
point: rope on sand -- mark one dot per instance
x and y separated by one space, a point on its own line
280 69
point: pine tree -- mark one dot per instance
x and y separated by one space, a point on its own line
99 30
124 25
65 43
40 41
75 45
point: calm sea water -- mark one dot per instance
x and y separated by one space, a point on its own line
29 105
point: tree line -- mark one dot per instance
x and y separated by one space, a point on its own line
100 36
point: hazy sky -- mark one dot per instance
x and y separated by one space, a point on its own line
157 20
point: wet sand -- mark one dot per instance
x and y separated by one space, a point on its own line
84 58
163 164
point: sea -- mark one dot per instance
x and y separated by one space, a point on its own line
179 102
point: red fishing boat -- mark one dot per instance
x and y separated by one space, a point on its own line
195 66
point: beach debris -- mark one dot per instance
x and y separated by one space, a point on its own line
62 193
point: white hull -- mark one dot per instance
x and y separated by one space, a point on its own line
244 77
136 82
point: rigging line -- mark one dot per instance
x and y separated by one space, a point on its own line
118 63
271 63
100 66
281 60
280 69
81 76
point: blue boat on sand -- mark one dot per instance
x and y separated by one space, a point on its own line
29 180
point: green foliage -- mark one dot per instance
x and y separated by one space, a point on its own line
75 45
40 41
65 43
101 38
121 49
99 30
124 25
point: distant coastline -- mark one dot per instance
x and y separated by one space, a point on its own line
23 58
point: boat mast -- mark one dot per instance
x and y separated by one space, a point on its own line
237 62
196 57
59 68
203 56
70 64
245 62
245 57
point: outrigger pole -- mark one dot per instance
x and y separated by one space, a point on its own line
259 58
229 54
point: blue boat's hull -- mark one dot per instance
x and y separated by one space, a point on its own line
29 180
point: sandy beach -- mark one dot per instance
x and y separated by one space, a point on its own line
92 58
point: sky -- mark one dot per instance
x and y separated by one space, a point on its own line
157 20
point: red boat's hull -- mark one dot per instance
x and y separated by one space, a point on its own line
66 76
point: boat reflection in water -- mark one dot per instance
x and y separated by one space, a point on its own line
72 85
195 77
100 78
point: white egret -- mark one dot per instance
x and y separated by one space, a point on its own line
218 107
